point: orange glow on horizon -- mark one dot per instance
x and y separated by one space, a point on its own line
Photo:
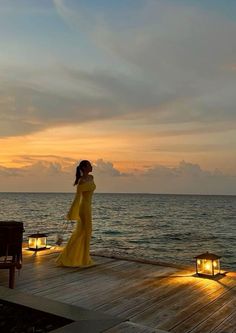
127 149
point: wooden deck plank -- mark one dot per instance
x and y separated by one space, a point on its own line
123 286
131 289
49 272
216 318
84 279
203 308
127 270
129 327
156 293
148 297
166 306
228 325
182 305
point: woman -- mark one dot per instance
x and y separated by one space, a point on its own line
76 251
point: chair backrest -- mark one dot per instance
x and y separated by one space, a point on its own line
11 238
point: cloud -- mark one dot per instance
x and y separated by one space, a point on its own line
26 6
179 50
25 110
10 172
186 178
58 176
104 168
169 63
38 176
27 107
191 148
184 169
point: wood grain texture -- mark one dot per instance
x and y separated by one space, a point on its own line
147 296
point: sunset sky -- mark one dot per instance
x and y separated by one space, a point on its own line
145 89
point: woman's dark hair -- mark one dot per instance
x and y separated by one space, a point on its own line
83 164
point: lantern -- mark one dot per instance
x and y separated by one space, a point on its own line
37 242
207 264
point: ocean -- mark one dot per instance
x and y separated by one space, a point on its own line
168 228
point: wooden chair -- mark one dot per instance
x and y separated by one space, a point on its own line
11 238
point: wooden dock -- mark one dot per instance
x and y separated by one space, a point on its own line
147 297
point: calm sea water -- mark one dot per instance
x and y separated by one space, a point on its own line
170 228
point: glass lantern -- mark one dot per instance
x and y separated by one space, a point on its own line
37 242
207 264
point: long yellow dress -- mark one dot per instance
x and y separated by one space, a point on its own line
76 252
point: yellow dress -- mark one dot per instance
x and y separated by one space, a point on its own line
76 252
